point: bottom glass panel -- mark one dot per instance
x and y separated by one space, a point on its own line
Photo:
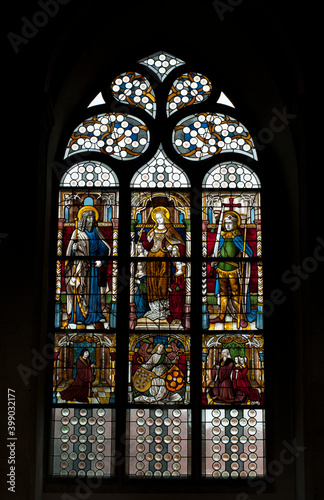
81 442
158 443
233 443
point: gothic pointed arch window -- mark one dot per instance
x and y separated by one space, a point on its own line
176 385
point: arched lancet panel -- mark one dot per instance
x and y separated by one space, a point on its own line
232 317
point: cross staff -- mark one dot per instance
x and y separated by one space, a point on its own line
219 229
75 265
241 286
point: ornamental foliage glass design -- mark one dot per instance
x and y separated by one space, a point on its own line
134 89
204 135
188 89
116 134
162 204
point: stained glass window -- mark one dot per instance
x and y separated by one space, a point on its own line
175 377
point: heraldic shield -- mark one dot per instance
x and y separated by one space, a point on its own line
142 379
174 379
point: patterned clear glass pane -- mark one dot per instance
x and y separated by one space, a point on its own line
81 443
160 172
133 88
158 443
205 135
159 369
89 174
233 443
119 135
161 64
233 369
230 175
84 368
188 89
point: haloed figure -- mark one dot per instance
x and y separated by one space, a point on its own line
82 277
232 279
81 388
160 242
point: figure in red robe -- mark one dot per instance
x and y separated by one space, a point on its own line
223 390
240 380
81 388
177 293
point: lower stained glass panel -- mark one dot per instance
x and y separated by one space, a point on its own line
84 368
233 443
159 369
158 443
82 442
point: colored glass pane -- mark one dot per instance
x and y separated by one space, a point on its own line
81 443
84 368
232 277
242 210
119 135
161 64
158 443
204 135
230 302
160 295
233 369
159 371
233 443
160 224
187 89
134 89
86 274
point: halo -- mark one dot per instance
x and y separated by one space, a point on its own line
162 210
230 212
86 209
